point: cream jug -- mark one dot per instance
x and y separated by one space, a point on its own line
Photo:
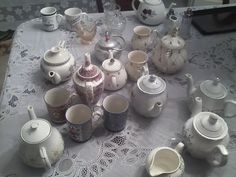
206 136
166 162
214 96
58 64
151 91
151 12
42 145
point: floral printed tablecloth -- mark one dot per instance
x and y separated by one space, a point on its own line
109 154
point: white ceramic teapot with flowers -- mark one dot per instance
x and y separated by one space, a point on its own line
58 64
170 55
152 93
151 12
214 96
89 81
206 136
115 73
42 145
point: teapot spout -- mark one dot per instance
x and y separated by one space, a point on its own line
190 85
54 77
197 106
156 108
31 112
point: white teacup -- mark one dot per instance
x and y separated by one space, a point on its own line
50 18
137 64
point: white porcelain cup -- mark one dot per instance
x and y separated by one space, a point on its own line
73 15
50 19
58 100
137 64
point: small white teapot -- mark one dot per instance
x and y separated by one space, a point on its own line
58 64
151 12
115 73
152 93
166 162
42 145
206 136
213 94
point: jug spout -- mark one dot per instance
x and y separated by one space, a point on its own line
54 77
197 106
31 112
190 85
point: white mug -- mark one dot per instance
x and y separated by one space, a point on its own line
50 18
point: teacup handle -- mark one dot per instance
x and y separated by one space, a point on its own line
60 18
218 156
74 99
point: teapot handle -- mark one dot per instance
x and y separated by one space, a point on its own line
89 93
218 156
133 6
44 156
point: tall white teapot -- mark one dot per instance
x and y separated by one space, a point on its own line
42 145
151 12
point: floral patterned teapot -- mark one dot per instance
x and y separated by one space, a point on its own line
89 81
58 64
206 136
151 12
170 55
42 145
214 96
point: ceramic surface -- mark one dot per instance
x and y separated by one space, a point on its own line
89 82
41 144
150 90
151 12
50 18
58 64
137 65
166 162
170 55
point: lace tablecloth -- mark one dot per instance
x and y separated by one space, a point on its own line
109 154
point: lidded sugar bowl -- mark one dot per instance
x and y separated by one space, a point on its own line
58 64
115 73
170 55
89 81
206 136
151 91
102 47
42 145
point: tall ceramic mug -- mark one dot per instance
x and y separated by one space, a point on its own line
58 100
50 18
137 64
79 119
143 38
115 110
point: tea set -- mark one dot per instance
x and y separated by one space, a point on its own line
205 133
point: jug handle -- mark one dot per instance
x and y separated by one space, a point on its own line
44 156
227 111
218 156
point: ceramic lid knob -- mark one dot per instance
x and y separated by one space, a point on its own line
212 120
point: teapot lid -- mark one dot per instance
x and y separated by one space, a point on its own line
35 131
213 89
111 64
173 41
210 125
57 55
109 42
87 70
151 84
152 2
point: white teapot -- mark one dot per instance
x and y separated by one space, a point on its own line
206 136
115 73
214 96
42 145
58 64
151 12
152 93
170 55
